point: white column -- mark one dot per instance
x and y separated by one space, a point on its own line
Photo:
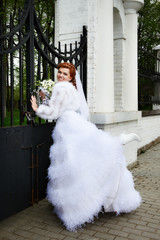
131 71
104 96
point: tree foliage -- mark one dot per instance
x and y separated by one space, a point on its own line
9 16
148 38
149 24
44 10
46 13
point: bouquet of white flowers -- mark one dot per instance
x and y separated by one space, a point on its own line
43 90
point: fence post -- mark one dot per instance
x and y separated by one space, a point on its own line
30 53
1 77
85 63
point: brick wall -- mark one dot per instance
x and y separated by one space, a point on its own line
119 38
92 48
118 74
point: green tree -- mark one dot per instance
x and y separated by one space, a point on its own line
148 38
149 24
9 9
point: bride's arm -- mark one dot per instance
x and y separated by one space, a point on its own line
53 110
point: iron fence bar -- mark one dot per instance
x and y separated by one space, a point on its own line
39 69
81 68
30 54
39 62
45 76
20 79
59 50
8 103
2 92
65 50
1 77
11 72
81 73
53 72
85 63
31 42
85 78
76 59
12 86
71 53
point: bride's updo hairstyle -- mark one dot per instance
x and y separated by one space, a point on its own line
72 71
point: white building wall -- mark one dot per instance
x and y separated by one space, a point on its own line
111 77
149 129
104 97
70 16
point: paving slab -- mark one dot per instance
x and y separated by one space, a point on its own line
39 223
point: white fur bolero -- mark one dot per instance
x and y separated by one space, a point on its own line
64 97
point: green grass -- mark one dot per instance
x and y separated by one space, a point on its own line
16 119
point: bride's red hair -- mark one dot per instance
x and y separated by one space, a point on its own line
72 71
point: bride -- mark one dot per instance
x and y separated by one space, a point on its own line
87 166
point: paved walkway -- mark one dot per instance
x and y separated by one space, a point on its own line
38 222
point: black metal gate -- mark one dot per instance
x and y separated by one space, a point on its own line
148 75
24 144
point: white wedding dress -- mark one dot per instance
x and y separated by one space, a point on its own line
87 169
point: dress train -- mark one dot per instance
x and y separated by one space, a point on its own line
87 171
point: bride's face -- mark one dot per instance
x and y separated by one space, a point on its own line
63 75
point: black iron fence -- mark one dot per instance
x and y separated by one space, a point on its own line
148 79
27 55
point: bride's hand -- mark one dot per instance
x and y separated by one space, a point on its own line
33 103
